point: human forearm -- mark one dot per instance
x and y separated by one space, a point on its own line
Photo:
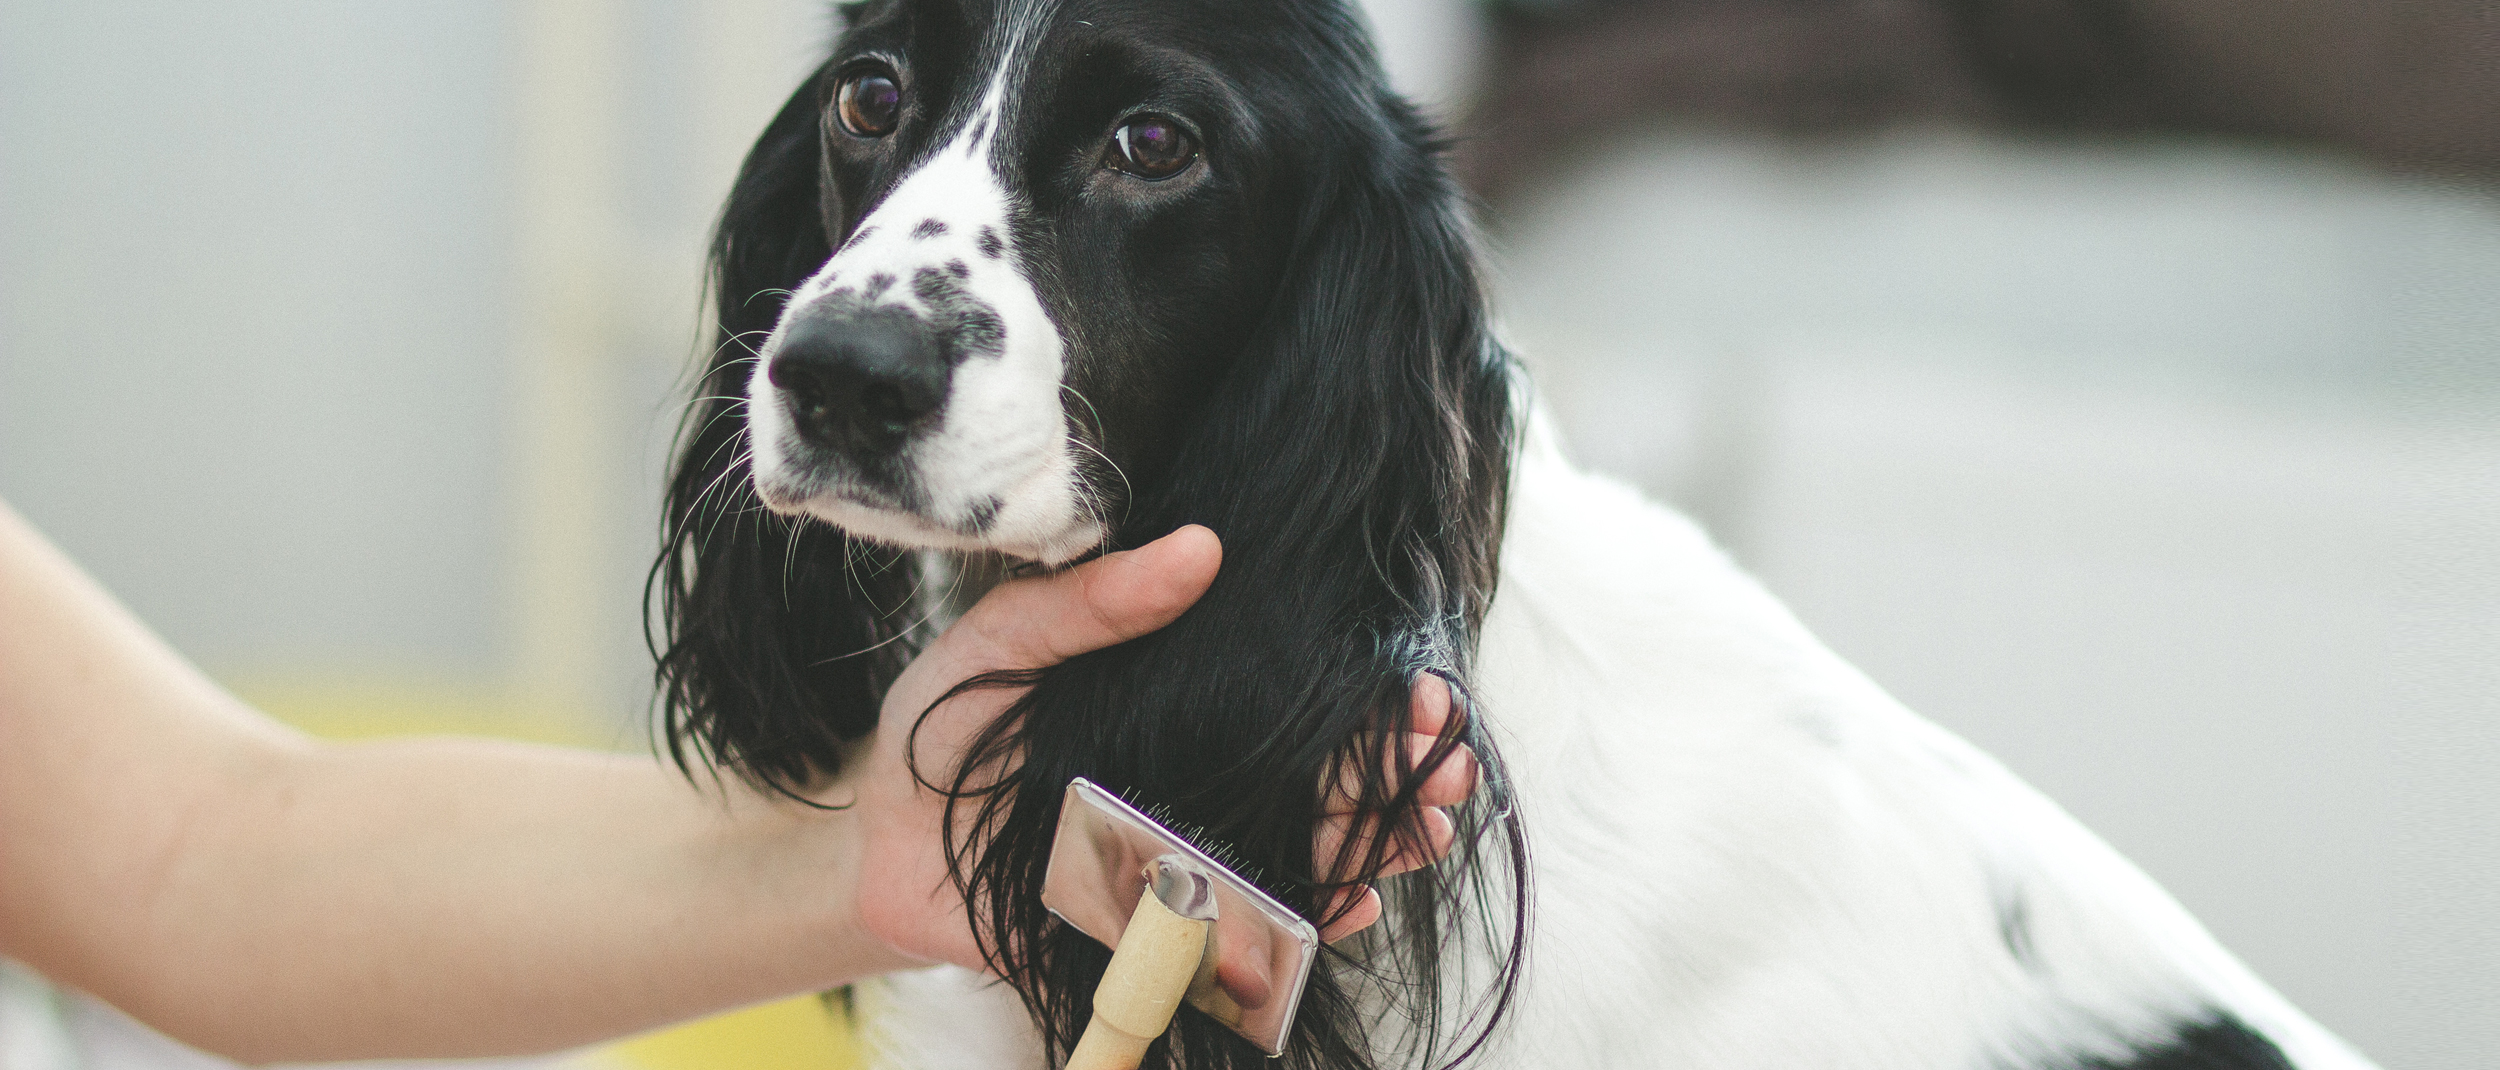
253 892
166 849
454 897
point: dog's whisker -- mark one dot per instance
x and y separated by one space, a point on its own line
734 470
1093 497
739 340
1128 491
715 418
790 551
935 611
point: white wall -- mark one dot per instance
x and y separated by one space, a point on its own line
251 315
273 278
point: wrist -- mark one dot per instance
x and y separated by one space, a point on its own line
810 867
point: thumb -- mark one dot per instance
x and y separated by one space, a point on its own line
1044 620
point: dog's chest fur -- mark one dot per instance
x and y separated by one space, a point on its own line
1748 855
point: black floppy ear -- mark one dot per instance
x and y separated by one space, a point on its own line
781 633
1354 456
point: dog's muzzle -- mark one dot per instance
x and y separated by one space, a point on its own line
860 382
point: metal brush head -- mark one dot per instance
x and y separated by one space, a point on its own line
1259 953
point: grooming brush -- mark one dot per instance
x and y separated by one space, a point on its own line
1180 925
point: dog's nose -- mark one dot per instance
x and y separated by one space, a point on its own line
860 382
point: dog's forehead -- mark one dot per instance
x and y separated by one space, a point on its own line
983 15
972 42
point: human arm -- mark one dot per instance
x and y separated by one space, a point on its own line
259 894
267 897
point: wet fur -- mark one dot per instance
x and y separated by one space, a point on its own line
1746 855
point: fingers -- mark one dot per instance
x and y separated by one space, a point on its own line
1044 620
1424 845
1448 785
1365 911
1430 708
1428 704
1429 711
1438 833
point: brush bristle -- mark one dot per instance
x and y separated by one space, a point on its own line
1197 835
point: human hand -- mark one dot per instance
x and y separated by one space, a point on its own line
906 899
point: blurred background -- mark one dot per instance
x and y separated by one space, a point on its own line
2117 382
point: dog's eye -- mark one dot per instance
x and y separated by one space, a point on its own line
869 103
1152 147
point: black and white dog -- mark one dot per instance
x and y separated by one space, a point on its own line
1013 281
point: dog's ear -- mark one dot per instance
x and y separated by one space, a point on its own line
780 634
1354 456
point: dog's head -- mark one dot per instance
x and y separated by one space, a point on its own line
1052 226
1044 277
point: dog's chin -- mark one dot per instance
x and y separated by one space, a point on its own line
1053 546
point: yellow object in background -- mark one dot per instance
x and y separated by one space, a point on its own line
799 1033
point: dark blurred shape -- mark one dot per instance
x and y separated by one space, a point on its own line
2413 84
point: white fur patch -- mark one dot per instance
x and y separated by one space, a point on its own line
945 1018
1000 471
1747 855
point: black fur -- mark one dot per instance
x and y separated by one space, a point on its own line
2217 1041
1289 348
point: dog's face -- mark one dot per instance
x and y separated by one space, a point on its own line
1045 225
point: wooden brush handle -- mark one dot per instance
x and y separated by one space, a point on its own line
1149 972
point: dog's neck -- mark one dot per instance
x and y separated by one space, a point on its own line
951 581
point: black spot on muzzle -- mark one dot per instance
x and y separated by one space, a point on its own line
970 326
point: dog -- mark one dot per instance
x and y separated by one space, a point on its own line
1008 283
